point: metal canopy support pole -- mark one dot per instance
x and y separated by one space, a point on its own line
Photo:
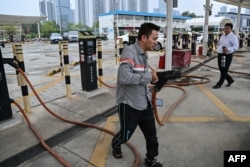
169 21
38 30
205 39
237 28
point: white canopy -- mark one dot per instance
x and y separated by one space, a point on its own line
219 21
17 19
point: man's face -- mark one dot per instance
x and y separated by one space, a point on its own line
151 41
227 29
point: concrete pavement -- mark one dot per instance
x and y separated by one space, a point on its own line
208 122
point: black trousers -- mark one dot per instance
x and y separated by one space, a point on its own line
129 119
224 70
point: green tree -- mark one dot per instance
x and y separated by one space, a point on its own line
186 13
49 27
10 30
96 27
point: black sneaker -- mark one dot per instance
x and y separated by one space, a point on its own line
152 163
117 152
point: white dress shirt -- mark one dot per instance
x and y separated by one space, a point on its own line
230 41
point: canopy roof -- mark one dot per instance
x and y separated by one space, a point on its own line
17 19
213 21
243 3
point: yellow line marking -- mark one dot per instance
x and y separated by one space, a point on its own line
229 113
195 119
44 87
101 150
241 119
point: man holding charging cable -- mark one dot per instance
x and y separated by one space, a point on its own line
133 96
226 46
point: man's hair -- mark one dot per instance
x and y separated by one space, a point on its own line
229 25
146 29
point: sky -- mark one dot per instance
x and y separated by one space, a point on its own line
31 7
194 6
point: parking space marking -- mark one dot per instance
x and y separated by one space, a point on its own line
227 111
195 119
42 88
102 147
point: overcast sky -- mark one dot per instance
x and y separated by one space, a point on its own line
31 7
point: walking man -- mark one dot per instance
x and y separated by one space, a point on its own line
133 96
227 45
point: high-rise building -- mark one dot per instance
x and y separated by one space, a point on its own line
132 5
176 12
223 9
143 7
88 11
98 8
84 12
64 13
247 11
47 8
233 10
114 5
162 7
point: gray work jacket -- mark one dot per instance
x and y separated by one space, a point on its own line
133 77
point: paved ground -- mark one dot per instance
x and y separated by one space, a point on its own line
196 134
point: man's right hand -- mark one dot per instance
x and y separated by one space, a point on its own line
154 76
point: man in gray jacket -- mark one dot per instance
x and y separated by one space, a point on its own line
133 96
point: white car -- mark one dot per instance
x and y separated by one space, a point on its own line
55 38
73 36
125 39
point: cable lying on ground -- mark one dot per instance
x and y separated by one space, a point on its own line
61 160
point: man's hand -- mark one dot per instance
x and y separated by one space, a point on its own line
225 49
154 76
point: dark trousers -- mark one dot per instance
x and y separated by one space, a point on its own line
129 119
224 70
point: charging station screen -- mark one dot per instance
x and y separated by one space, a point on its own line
90 43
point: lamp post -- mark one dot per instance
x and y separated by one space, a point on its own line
60 14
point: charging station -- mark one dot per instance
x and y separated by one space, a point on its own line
87 57
185 40
5 106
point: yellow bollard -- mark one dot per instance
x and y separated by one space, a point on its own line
120 47
99 54
23 83
66 68
60 56
14 55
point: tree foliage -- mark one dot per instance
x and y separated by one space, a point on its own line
10 30
49 27
187 13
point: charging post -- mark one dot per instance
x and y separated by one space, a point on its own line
87 56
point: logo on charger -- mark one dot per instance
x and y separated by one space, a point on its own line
236 158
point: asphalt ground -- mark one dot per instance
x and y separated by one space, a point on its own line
204 125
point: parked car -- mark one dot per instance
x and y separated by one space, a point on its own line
55 38
73 36
65 35
3 40
125 39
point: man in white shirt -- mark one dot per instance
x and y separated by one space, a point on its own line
227 45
